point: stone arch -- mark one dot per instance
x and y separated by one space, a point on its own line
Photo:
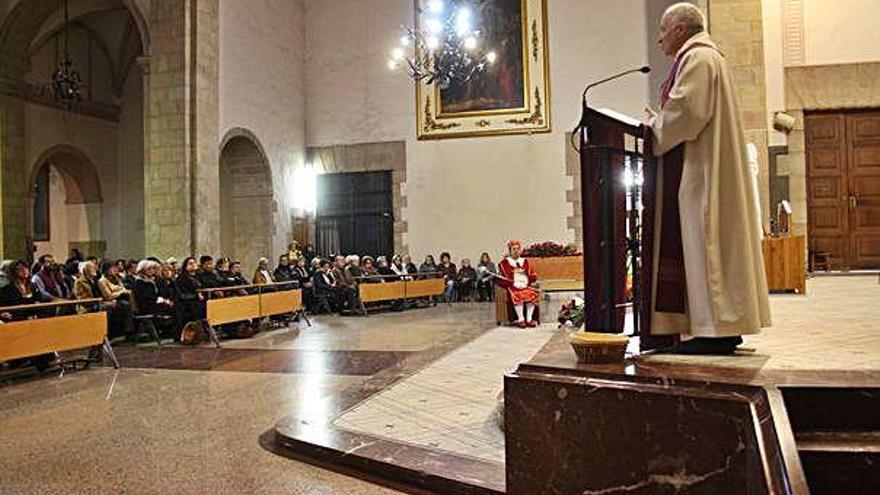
77 222
246 199
22 24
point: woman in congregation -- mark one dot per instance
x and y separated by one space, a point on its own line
429 268
117 297
304 280
86 285
165 283
399 268
464 282
411 267
20 291
448 270
261 274
192 302
283 272
369 272
485 279
146 290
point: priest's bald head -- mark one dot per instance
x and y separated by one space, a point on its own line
679 23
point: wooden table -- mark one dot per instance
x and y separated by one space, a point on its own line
785 263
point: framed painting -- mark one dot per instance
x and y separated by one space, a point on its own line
512 95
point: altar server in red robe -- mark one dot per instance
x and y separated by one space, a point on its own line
515 275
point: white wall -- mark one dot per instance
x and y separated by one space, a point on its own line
468 195
841 31
774 71
261 89
67 222
835 32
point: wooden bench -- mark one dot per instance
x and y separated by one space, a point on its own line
32 337
398 290
234 308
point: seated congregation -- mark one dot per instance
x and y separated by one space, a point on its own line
171 297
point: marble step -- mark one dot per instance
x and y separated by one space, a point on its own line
867 442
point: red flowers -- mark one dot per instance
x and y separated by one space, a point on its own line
550 249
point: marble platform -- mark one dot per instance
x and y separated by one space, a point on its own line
763 429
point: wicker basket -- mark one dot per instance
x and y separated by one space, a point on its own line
594 348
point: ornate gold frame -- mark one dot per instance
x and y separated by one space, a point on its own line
534 117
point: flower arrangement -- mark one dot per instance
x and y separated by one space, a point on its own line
550 249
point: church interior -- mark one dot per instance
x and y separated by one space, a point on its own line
432 246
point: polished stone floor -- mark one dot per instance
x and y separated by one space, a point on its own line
199 420
190 420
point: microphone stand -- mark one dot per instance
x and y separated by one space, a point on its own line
585 107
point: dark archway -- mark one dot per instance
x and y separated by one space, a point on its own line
246 200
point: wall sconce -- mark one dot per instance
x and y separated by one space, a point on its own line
783 122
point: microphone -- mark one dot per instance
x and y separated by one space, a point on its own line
580 127
643 69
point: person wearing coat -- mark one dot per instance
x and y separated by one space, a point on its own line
698 131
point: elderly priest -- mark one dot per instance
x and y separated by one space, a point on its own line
698 131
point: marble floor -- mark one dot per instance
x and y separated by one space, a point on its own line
199 420
196 420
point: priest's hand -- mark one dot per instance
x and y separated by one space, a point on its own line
650 115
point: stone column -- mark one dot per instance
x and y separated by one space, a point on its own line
737 27
13 181
180 171
205 72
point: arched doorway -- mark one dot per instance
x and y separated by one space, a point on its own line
246 202
66 201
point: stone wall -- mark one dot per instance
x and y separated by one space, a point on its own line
262 95
371 157
736 25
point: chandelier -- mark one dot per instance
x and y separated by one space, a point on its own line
444 49
66 82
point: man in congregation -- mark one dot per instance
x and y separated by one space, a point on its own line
699 131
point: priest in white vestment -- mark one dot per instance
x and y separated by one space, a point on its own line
723 266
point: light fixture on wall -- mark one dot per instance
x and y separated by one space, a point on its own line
66 82
444 48
305 188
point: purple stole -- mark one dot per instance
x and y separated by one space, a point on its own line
671 281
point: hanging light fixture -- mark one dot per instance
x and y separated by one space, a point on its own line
445 49
66 82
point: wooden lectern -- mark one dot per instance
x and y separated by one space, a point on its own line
618 226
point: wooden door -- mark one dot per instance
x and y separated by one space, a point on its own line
828 187
843 187
863 151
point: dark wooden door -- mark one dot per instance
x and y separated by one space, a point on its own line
863 150
843 187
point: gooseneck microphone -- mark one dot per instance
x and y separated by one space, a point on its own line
643 69
578 129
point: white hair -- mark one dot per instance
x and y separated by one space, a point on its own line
144 265
351 258
688 15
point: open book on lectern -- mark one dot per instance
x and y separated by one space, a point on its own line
626 119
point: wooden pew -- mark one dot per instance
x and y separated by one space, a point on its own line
399 290
26 338
234 307
281 302
385 291
425 288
